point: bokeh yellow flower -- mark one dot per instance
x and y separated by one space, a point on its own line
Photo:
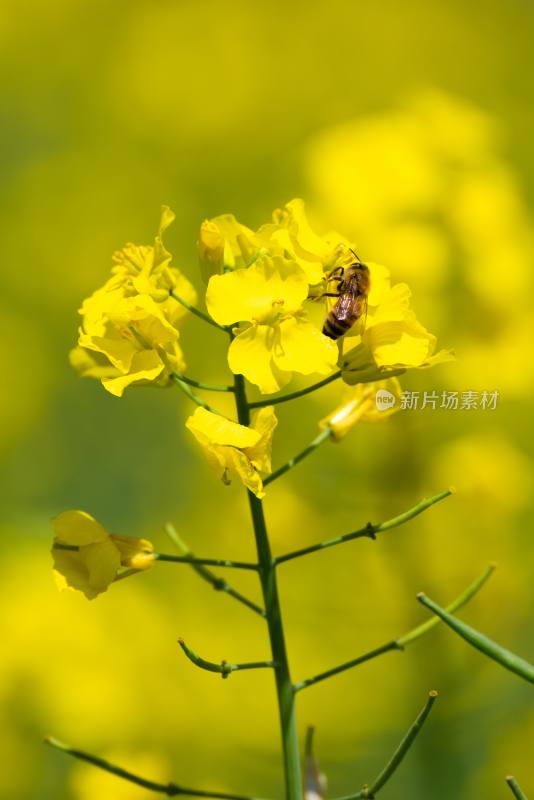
99 556
362 403
129 333
277 339
233 449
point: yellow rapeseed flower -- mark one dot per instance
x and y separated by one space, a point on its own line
145 269
233 449
126 340
393 341
276 338
225 244
361 403
99 556
129 333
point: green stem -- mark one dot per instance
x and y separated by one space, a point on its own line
224 668
219 584
284 688
402 641
169 789
212 562
191 394
402 749
397 757
210 387
456 604
313 445
322 676
197 312
369 531
515 787
293 395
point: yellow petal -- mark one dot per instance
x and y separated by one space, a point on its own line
272 285
380 283
307 243
102 561
89 570
118 349
250 354
359 404
146 366
134 553
220 431
303 348
313 269
264 421
167 218
78 528
91 365
240 243
400 343
239 464
210 247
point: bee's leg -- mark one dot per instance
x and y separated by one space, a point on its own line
330 275
324 294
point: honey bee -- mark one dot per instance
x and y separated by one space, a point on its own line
353 285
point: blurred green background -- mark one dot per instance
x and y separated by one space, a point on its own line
407 126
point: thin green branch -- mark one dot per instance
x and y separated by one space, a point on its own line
515 787
501 655
219 584
322 676
398 756
369 531
210 387
313 445
224 668
188 559
186 389
402 641
169 789
456 604
293 395
197 312
211 562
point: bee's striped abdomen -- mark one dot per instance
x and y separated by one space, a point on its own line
334 327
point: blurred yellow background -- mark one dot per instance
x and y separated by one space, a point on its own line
407 127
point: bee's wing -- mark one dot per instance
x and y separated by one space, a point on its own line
344 308
363 313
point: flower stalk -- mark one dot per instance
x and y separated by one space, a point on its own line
515 788
370 530
500 654
398 756
284 686
169 789
224 668
400 643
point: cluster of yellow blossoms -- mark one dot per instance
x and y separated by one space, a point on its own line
264 283
130 327
262 287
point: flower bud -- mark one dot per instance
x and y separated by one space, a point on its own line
210 250
361 403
